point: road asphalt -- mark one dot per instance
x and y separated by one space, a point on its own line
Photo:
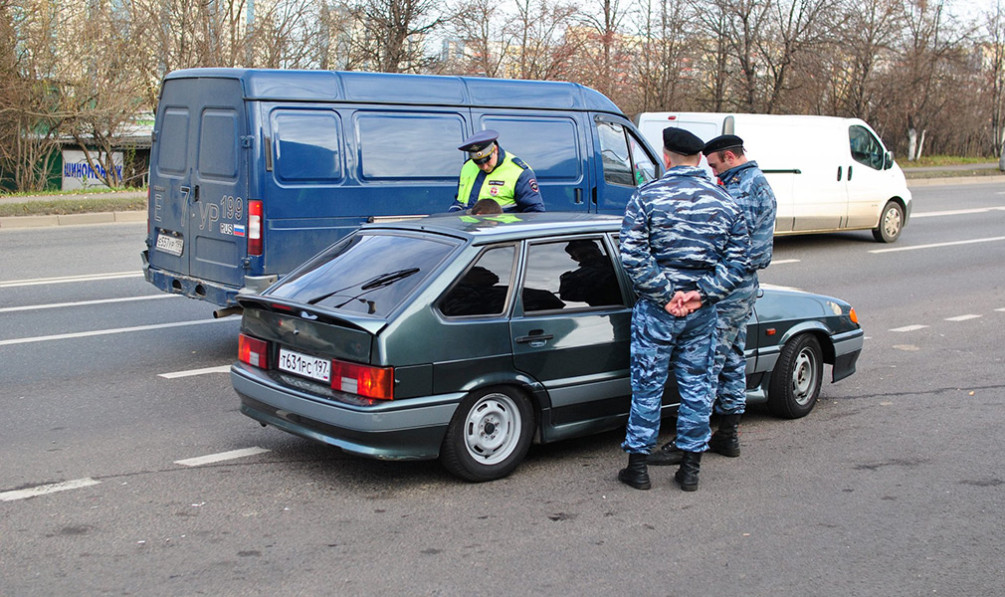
8 222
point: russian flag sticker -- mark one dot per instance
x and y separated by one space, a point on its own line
238 229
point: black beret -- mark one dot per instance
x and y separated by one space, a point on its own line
681 141
722 142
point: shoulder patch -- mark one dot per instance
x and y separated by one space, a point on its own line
520 163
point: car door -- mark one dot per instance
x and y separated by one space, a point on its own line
572 325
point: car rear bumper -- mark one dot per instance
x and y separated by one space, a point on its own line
412 429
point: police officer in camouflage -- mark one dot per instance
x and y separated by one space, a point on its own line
684 244
491 173
745 182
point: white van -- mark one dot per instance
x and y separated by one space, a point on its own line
828 173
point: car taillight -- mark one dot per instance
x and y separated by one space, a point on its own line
371 382
253 351
255 228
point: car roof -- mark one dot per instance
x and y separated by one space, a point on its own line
503 227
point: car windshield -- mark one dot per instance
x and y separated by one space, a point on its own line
367 273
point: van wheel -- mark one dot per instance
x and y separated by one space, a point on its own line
489 435
795 381
890 223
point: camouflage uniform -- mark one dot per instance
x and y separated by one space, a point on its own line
681 232
752 194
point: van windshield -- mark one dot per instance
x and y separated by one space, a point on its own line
367 273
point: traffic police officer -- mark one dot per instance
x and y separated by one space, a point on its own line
745 182
491 173
684 245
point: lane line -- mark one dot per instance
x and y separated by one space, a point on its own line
939 245
956 212
784 261
86 303
191 372
139 328
222 456
963 317
1002 309
69 279
909 328
22 494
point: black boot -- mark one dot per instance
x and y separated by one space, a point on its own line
726 440
636 474
667 455
687 474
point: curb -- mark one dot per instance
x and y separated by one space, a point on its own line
105 217
948 180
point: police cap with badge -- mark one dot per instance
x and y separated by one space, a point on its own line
722 143
480 145
681 142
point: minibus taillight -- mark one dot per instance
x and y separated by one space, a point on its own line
371 382
255 228
253 351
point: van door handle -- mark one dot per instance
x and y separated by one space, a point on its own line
579 196
849 173
839 173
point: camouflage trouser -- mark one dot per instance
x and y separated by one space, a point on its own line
730 361
661 342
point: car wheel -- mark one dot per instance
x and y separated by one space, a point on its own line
795 381
489 435
890 223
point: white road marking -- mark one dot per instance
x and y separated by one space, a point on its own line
191 372
87 303
783 261
909 328
1002 309
222 456
139 328
21 494
955 212
68 279
963 317
938 245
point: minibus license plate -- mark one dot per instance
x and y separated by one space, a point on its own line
172 245
307 366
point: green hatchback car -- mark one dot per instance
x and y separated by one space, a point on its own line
467 338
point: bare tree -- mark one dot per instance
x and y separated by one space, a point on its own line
394 31
487 38
546 44
664 63
995 31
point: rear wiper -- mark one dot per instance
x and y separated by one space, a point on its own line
372 284
388 279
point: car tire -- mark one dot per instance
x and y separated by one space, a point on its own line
489 434
891 222
795 380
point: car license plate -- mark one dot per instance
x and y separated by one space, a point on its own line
305 365
172 245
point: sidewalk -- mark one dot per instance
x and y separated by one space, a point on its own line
104 217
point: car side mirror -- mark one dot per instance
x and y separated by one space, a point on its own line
888 160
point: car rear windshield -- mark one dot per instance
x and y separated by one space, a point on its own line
367 273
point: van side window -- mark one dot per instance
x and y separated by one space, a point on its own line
865 147
409 145
307 146
483 288
617 159
570 275
550 146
